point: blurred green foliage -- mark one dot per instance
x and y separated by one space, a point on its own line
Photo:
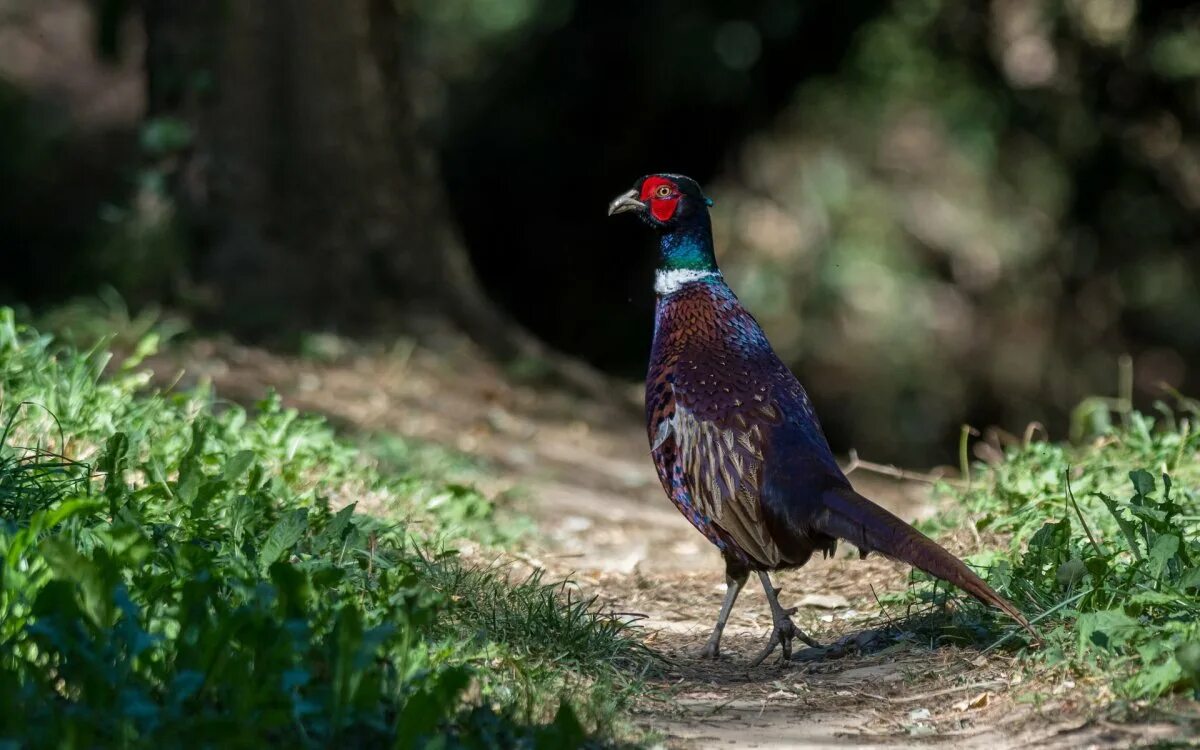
976 215
967 216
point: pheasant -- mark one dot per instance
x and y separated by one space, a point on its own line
735 439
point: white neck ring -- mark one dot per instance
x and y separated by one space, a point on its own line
669 282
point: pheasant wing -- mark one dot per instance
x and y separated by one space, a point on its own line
721 452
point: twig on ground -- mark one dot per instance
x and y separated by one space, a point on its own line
888 470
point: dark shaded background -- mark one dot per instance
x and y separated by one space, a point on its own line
941 212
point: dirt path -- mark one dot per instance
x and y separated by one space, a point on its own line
586 476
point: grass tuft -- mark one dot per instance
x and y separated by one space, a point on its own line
1103 553
179 571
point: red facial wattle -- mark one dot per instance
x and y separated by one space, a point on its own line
663 208
662 196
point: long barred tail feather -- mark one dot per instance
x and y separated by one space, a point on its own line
850 516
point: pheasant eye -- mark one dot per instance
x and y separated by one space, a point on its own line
663 191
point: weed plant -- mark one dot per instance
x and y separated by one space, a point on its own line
175 571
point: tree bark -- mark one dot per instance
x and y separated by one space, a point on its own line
314 191
312 184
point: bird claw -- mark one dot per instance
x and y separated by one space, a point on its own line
782 633
711 650
771 644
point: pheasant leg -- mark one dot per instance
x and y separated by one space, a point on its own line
783 630
733 585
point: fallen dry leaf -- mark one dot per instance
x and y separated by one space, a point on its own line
824 601
970 704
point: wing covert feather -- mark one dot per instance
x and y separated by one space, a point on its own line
723 461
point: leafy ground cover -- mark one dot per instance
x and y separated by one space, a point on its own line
175 570
1103 549
217 583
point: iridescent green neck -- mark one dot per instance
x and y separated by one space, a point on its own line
688 248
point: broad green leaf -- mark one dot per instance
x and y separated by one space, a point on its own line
78 508
1143 482
199 506
1163 552
1108 629
282 537
1127 529
242 517
238 465
1155 517
1049 544
190 479
112 463
333 532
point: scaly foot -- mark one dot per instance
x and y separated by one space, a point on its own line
783 630
782 633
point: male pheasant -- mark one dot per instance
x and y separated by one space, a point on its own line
734 437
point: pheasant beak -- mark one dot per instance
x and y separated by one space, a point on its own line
626 202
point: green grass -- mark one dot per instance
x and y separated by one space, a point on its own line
1103 553
177 571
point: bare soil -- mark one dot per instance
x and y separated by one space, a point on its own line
584 473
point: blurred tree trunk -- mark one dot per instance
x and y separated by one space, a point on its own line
313 190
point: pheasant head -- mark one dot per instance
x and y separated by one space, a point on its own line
676 207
